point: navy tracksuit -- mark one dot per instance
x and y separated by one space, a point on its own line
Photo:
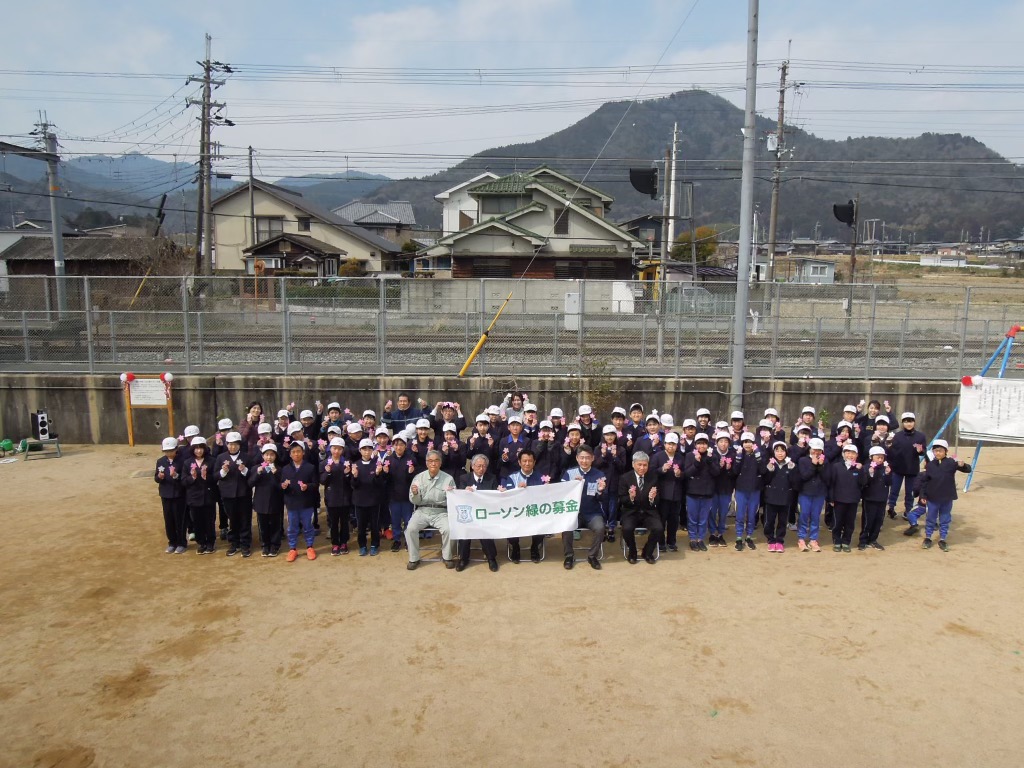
846 483
268 501
938 489
338 497
367 495
749 478
700 491
172 498
904 455
875 494
782 483
199 495
236 497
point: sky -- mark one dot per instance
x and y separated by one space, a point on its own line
408 88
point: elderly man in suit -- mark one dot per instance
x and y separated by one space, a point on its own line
478 479
638 508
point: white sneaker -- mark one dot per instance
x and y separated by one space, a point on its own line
791 527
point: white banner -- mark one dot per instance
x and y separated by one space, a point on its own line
518 512
992 409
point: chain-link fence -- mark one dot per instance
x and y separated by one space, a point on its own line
428 327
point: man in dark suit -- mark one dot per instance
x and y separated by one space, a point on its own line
478 479
638 508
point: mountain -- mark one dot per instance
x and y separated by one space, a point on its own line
331 190
915 183
297 182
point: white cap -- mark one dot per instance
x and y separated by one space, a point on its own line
817 444
940 444
233 437
703 412
191 430
721 425
402 435
667 420
689 423
366 443
515 419
294 427
881 417
736 415
850 447
198 440
224 424
337 441
876 450
282 414
306 414
844 423
671 437
636 407
548 425
720 435
654 417
334 429
353 427
747 437
530 407
771 412
573 426
422 424
333 406
908 415
777 443
585 410
482 417
264 429
808 409
619 410
493 410
381 431
369 412
449 427
609 429
268 447
169 444
850 408
767 424
556 413
701 436
803 428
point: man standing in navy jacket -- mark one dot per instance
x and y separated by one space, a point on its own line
905 455
404 416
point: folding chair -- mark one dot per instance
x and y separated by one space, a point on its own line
543 548
578 535
641 532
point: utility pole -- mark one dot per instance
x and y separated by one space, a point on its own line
663 252
252 202
780 142
672 187
853 262
739 334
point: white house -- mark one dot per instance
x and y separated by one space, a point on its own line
459 209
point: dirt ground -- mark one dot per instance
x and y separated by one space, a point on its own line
115 654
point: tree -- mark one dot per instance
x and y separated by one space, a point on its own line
707 245
351 268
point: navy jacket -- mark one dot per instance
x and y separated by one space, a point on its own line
367 486
397 420
670 487
199 492
478 443
294 496
701 475
613 465
234 485
643 502
170 487
508 454
904 458
335 481
846 483
268 498
453 461
549 457
876 487
399 477
726 480
750 471
782 483
814 478
590 505
938 482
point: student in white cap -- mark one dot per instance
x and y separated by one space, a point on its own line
510 446
634 428
666 468
613 458
185 442
750 471
453 452
876 491
284 418
905 455
590 429
701 470
937 493
172 496
482 440
336 417
300 483
232 470
369 490
268 498
399 476
200 480
422 443
703 420
214 445
846 484
814 479
311 423
558 423
807 417
782 483
335 477
264 434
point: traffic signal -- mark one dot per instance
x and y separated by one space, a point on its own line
846 213
644 180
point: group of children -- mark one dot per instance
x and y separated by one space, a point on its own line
361 471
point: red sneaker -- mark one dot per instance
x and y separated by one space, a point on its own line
310 553
292 554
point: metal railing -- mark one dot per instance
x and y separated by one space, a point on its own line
565 327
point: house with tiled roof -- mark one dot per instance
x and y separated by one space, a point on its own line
541 224
290 232
392 220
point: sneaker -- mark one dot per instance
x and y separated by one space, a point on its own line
739 545
389 536
265 552
396 545
310 553
169 550
273 553
179 550
801 545
363 552
292 554
335 551
780 547
926 544
694 547
201 550
246 553
876 545
912 530
943 545
702 546
846 548
750 543
210 550
814 546
374 551
791 527
344 549
232 551
891 511
837 547
862 547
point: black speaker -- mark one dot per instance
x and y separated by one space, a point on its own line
41 426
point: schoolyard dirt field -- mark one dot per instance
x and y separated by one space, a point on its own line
115 654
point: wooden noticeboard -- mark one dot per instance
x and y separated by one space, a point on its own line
147 391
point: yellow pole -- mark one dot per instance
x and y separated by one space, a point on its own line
483 338
136 297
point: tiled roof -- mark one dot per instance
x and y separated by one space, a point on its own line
311 244
87 249
393 213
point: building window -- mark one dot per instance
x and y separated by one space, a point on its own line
444 262
497 205
268 227
561 221
818 270
304 222
492 268
330 268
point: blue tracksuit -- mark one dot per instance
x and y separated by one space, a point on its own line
904 456
938 489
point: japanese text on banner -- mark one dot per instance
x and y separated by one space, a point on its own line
517 512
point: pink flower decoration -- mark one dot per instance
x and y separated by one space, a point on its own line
430 445
194 465
181 438
287 441
330 462
410 465
348 411
545 478
321 443
632 489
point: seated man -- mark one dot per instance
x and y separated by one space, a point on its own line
429 496
525 477
595 490
478 479
638 508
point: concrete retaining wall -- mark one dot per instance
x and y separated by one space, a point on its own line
90 409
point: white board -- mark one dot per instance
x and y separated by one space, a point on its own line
147 393
993 410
